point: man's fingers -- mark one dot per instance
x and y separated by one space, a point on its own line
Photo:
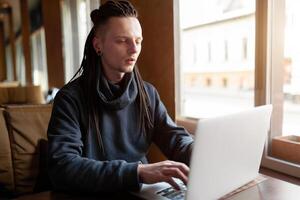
183 167
163 171
173 183
175 172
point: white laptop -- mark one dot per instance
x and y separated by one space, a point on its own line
227 154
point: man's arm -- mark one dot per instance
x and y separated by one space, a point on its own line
174 141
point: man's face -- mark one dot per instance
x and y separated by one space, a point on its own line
120 44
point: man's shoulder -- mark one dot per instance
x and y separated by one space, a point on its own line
152 92
72 89
150 88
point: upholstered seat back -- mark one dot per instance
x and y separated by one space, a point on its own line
6 169
31 94
27 130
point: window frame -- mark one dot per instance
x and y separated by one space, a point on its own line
271 14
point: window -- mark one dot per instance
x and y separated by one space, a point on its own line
76 26
195 54
39 62
245 48
291 69
220 82
9 64
226 50
262 42
20 62
209 51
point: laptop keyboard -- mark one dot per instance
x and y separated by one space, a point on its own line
172 193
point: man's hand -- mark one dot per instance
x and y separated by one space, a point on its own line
163 171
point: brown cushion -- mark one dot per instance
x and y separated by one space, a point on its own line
16 95
27 126
31 94
34 94
9 84
3 96
6 172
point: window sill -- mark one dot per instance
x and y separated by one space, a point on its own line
280 176
190 124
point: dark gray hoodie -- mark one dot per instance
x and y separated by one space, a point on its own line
76 161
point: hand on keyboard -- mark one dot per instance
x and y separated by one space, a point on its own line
172 193
163 171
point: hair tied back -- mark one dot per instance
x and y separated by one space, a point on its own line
95 16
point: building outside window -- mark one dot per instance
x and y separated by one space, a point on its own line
225 83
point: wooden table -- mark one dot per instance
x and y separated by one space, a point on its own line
273 189
269 189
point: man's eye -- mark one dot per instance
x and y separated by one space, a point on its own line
121 40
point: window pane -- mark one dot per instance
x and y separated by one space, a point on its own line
284 87
217 57
39 62
76 22
291 79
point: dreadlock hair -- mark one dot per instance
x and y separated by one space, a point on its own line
91 62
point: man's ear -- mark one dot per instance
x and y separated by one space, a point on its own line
97 44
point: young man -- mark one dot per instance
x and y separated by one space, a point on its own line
104 121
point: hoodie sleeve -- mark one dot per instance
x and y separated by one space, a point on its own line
68 169
174 141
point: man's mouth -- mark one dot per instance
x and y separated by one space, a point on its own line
130 60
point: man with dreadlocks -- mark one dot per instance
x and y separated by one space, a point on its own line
104 120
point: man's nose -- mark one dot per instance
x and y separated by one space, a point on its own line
133 47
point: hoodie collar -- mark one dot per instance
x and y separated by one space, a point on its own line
117 96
